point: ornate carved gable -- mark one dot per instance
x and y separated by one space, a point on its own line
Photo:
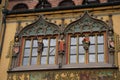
86 24
40 27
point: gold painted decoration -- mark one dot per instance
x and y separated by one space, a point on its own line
10 50
117 42
87 74
14 48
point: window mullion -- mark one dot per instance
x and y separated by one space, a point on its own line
77 52
96 48
105 49
56 51
86 54
48 53
69 49
39 57
30 52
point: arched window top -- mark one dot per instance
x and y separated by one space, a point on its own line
67 3
20 6
40 27
44 4
86 24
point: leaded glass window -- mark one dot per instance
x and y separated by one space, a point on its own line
48 54
77 52
95 53
30 53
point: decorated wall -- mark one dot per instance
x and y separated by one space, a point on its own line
87 74
16 22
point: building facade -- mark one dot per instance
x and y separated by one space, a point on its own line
60 40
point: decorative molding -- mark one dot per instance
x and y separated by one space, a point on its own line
40 27
86 24
19 27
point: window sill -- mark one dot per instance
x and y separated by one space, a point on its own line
89 65
64 67
35 67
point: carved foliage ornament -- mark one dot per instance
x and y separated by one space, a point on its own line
107 74
86 24
40 27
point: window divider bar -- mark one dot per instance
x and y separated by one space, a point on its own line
96 48
77 52
56 51
69 43
30 52
48 50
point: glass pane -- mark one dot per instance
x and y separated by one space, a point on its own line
51 59
52 50
27 52
53 42
43 60
81 58
72 58
73 50
28 43
92 49
100 48
92 39
34 52
25 61
100 57
80 40
81 49
45 42
45 51
73 40
34 60
91 57
35 43
100 39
